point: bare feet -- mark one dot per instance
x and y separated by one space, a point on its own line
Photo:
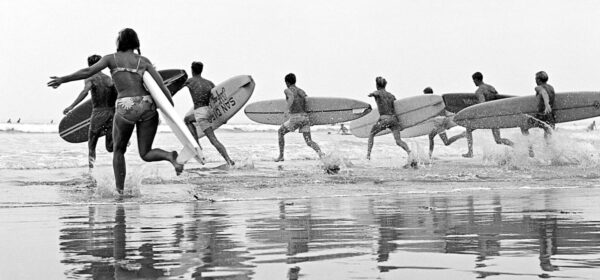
178 166
280 158
468 155
368 157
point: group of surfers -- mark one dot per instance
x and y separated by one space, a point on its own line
121 103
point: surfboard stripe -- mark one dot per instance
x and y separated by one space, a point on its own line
422 107
169 81
75 127
533 112
320 111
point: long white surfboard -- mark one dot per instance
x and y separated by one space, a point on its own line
190 147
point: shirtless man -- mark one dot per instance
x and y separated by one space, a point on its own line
484 93
104 96
545 116
442 122
200 91
387 119
296 103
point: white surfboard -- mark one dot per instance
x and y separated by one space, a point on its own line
190 147
361 128
229 97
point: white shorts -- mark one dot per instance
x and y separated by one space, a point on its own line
203 116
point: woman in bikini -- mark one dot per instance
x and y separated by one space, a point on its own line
134 107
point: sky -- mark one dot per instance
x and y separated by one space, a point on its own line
336 48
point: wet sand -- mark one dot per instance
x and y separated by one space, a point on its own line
508 234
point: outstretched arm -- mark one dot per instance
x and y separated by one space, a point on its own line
82 95
159 80
79 75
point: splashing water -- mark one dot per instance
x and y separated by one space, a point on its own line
105 182
560 150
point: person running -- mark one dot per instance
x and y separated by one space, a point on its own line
387 119
200 91
296 105
484 93
442 123
104 96
544 118
135 107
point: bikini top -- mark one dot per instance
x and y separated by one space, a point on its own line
125 69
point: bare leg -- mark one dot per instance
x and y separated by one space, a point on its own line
209 132
452 139
92 142
374 130
108 140
469 135
146 131
403 145
122 131
525 133
431 143
499 140
189 122
281 133
312 143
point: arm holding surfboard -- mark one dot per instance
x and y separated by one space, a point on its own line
152 71
87 87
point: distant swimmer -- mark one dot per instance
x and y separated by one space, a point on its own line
592 126
544 118
298 118
135 108
343 130
484 93
19 120
387 119
442 122
200 91
9 121
104 96
51 121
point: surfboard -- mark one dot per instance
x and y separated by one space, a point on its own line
321 110
230 96
361 128
458 101
174 121
411 112
73 127
518 111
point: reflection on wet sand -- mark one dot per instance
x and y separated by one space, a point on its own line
474 236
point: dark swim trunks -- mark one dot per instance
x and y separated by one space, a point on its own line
546 118
102 119
388 121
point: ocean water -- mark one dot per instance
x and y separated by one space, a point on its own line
500 214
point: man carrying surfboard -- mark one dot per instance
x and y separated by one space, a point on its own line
104 96
484 93
387 119
545 116
442 123
296 105
200 91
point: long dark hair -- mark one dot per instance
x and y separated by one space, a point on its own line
128 40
